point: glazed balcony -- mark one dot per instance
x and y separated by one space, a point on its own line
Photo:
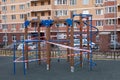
38 0
41 8
41 17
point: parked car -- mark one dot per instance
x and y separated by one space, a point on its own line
84 43
11 46
117 45
30 46
2 45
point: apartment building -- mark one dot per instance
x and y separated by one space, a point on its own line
106 15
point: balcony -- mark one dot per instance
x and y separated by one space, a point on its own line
37 0
41 17
118 27
34 0
118 14
41 8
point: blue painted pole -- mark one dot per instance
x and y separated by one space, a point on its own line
14 57
24 66
91 62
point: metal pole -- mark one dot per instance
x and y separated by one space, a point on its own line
14 57
91 61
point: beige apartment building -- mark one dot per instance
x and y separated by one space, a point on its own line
106 15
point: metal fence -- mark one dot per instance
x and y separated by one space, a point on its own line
63 54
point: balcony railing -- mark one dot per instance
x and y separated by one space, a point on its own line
41 17
41 8
36 0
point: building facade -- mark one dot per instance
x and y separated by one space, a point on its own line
106 15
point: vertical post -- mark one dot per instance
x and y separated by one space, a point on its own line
88 38
14 57
81 27
91 62
23 54
48 52
72 44
39 48
67 33
26 44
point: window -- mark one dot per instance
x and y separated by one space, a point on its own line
4 27
4 0
61 36
85 2
113 36
4 17
28 14
13 27
49 13
22 37
5 38
61 13
73 2
110 9
60 25
99 23
85 12
60 2
35 4
21 16
42 3
13 38
13 17
98 1
35 14
13 7
12 0
110 21
109 0
42 14
22 7
4 8
99 12
21 26
74 11
28 5
29 37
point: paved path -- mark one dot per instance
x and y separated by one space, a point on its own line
105 70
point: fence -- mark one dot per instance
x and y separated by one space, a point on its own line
63 54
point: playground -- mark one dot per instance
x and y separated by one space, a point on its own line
63 60
105 70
